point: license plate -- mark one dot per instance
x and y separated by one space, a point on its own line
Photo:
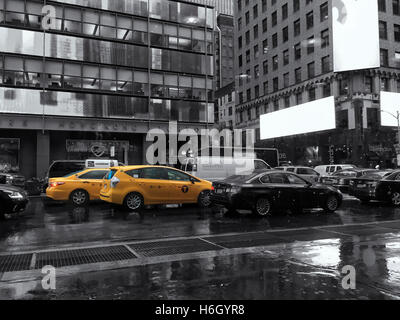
361 186
220 191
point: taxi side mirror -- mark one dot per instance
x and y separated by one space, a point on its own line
192 180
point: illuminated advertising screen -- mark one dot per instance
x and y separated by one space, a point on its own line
309 117
390 104
355 34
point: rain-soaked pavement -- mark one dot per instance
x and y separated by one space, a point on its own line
304 265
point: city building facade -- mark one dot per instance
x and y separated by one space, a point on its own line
226 106
101 78
284 57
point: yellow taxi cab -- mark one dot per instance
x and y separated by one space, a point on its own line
137 186
79 187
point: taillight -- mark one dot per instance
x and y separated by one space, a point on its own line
212 188
56 184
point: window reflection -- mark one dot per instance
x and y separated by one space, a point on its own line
97 24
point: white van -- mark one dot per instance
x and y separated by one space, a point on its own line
219 168
329 169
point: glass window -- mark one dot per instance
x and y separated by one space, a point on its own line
94 175
279 178
153 173
178 176
295 180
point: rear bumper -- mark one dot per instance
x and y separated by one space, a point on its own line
363 194
57 195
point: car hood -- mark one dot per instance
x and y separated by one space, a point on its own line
7 187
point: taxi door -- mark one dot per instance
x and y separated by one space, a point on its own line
182 190
92 182
154 185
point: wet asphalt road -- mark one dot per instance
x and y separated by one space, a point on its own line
306 269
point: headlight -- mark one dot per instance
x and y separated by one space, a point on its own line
9 179
234 189
14 195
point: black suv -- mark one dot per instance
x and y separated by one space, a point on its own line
61 168
12 200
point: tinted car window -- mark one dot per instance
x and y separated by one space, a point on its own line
153 173
265 179
277 178
290 169
295 180
177 176
92 175
133 173
306 171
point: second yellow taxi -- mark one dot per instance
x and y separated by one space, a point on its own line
137 186
79 187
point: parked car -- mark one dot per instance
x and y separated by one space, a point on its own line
305 172
12 200
264 193
364 188
13 179
137 186
79 187
341 179
387 189
325 170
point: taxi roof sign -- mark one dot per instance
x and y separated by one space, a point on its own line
100 163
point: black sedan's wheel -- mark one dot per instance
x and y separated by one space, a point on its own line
204 200
79 197
134 201
332 204
395 199
263 207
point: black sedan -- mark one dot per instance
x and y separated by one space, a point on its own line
341 179
265 192
385 190
364 188
12 200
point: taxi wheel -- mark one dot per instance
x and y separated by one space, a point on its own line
204 200
331 204
134 201
79 197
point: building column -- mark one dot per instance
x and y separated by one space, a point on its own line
42 153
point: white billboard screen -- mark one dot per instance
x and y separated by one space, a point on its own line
390 104
309 117
355 34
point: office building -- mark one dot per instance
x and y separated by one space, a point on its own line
101 78
284 57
